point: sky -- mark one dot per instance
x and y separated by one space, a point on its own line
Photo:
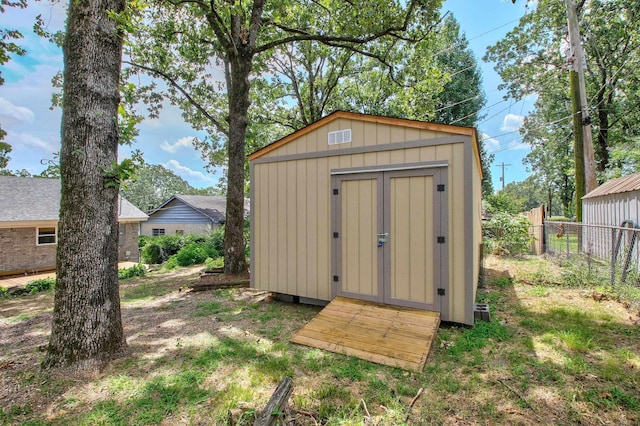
34 128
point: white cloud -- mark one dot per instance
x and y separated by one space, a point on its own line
14 114
512 122
186 141
28 142
490 143
187 173
516 145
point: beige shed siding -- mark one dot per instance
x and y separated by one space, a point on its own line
292 208
362 134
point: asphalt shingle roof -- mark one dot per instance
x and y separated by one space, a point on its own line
38 199
211 206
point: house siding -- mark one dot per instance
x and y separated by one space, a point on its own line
171 228
19 252
178 216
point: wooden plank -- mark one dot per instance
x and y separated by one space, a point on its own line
365 338
388 335
368 356
403 327
351 342
385 310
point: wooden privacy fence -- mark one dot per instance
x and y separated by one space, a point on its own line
536 231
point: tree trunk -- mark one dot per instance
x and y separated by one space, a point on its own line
240 68
87 327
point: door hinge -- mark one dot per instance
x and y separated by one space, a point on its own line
441 187
335 278
440 240
441 292
335 191
336 235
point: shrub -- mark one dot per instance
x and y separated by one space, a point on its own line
194 253
507 235
41 284
217 240
152 253
135 271
210 263
4 293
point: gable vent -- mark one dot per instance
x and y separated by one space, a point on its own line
340 136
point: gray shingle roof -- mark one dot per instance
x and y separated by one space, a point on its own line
211 206
38 199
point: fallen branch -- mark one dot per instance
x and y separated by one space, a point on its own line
276 405
366 410
515 393
305 413
413 401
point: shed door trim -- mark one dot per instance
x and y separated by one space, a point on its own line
381 261
389 168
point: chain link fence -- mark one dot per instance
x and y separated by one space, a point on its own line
610 253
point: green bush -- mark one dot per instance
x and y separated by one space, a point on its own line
217 240
194 253
507 235
210 263
138 270
41 284
4 293
152 253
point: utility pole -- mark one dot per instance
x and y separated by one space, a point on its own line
582 120
502 177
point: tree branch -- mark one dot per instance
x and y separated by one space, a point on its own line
184 93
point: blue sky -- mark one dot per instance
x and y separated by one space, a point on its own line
34 129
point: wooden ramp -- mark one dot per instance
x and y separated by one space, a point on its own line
389 335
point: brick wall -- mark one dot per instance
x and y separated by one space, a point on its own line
19 252
128 242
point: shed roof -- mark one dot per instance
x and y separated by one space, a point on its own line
616 186
210 206
38 199
424 125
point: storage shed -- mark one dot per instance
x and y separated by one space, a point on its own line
373 208
613 202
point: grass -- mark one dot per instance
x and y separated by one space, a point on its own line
550 355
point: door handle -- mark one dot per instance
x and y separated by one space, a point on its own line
382 238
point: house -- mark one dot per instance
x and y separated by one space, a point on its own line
29 225
373 208
187 214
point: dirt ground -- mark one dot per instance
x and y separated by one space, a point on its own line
504 385
150 331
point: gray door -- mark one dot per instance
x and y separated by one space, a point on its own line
389 237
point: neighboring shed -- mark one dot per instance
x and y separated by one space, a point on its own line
609 205
372 208
613 202
29 225
187 214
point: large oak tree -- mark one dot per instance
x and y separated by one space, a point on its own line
207 52
87 327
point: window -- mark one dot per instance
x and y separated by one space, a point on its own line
179 232
46 236
156 232
340 136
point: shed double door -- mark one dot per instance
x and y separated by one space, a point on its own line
390 237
